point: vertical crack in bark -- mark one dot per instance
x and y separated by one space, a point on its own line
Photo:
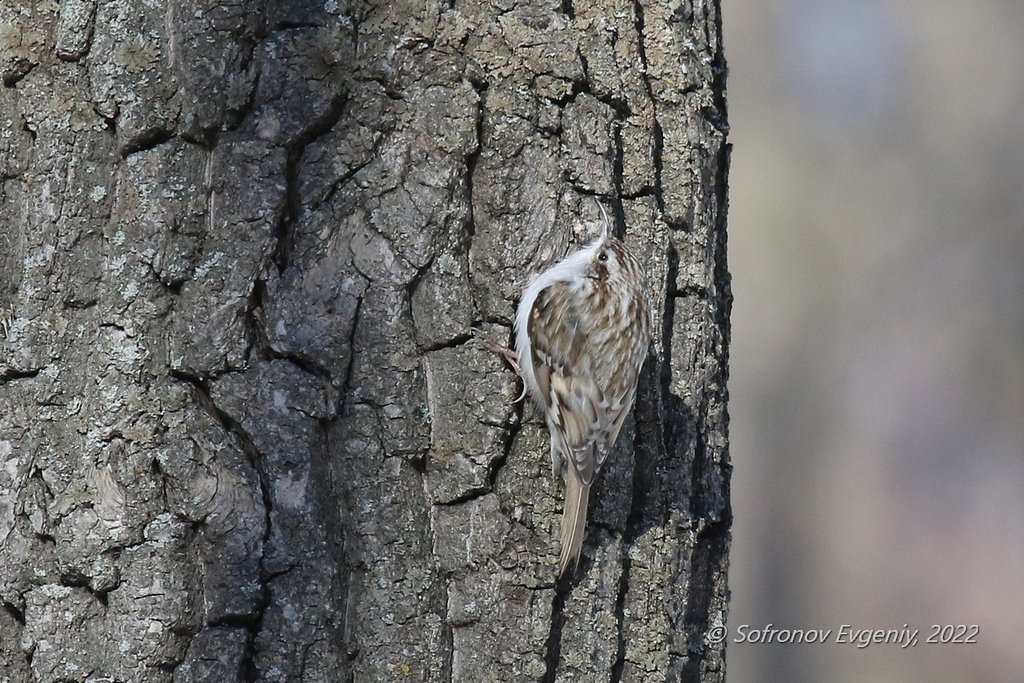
634 527
668 325
254 324
337 542
448 647
473 158
617 175
284 230
553 645
511 428
636 523
698 598
658 135
294 151
346 380
620 605
245 442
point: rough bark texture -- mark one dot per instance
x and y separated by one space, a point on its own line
245 433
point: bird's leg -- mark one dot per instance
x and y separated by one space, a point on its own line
510 356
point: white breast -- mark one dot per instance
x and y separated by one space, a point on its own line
569 269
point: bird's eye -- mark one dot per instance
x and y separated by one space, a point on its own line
603 256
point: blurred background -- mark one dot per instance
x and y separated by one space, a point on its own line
876 242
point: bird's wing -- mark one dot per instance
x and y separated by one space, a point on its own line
623 363
569 389
611 425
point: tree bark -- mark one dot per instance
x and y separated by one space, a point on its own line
245 430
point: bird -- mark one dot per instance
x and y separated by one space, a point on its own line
582 331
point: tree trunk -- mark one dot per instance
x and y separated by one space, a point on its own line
245 430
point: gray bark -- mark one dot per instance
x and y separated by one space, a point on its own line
245 433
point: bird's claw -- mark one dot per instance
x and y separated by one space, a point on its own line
510 356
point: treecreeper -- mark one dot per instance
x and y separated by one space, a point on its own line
582 331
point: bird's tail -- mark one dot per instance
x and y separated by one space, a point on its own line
574 520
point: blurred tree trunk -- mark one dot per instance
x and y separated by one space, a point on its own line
245 433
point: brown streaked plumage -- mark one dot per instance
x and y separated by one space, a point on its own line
582 332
